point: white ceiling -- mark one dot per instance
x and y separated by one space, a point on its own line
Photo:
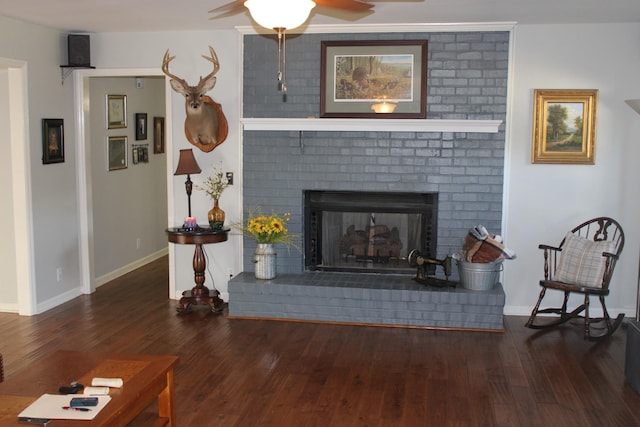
179 15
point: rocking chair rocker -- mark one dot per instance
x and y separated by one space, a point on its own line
583 263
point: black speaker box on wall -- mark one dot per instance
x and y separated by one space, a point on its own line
79 50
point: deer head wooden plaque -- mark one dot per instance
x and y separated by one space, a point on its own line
206 126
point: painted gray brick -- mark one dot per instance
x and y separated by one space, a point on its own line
467 79
374 299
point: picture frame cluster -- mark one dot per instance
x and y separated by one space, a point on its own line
118 145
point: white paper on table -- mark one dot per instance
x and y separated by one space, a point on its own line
50 406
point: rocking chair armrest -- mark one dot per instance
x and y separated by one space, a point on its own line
548 247
610 255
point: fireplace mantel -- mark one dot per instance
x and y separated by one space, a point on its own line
370 125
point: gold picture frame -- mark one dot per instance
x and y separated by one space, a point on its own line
116 111
564 126
158 135
117 152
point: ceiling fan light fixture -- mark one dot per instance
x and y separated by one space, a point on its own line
286 14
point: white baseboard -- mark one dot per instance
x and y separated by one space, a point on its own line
8 308
511 310
130 267
59 299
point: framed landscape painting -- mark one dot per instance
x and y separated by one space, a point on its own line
356 75
564 126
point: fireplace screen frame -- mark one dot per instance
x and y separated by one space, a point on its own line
318 201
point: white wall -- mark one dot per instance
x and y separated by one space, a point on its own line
545 201
8 292
146 50
131 203
53 201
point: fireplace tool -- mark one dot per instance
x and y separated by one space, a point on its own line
423 265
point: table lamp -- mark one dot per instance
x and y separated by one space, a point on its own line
186 166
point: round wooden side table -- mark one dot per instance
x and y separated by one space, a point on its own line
199 294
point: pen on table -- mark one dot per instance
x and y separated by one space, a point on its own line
75 408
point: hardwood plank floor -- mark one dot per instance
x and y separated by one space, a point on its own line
235 372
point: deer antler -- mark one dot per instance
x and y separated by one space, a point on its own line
165 69
216 66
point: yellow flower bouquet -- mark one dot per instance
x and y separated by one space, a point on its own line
268 228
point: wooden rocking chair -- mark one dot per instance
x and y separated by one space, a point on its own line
583 263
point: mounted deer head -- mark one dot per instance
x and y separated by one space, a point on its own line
205 126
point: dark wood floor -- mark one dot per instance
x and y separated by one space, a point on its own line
236 372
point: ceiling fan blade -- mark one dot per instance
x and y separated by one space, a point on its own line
236 6
348 5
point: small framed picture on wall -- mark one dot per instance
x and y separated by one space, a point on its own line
117 152
116 111
158 135
52 141
141 126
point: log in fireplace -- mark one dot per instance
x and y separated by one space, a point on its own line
361 231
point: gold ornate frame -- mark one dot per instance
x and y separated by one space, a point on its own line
564 126
116 111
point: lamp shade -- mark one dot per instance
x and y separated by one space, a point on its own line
634 103
384 107
279 13
187 163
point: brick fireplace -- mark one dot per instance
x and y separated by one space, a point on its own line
466 79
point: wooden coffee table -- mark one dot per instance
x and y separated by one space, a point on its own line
146 377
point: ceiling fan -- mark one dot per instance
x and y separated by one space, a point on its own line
282 15
285 10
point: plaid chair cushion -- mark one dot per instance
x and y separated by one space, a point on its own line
581 261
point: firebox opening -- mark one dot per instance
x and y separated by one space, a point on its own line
367 231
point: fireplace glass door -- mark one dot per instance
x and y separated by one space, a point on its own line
360 231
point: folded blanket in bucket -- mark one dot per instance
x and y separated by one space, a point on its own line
481 247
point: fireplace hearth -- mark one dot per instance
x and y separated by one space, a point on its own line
357 231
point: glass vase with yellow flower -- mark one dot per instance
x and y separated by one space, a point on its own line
214 185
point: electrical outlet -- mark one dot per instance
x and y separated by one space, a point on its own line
59 274
138 242
230 178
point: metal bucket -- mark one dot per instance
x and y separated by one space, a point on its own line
479 276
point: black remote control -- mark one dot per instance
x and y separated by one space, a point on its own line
74 388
